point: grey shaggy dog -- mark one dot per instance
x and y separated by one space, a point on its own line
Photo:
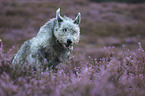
53 44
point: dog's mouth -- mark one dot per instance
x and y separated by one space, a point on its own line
65 45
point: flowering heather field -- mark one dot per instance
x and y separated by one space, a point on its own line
120 74
108 61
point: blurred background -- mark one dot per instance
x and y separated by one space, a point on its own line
105 23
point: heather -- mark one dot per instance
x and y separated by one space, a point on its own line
116 74
123 1
108 61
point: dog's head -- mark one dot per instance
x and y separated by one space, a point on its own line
67 32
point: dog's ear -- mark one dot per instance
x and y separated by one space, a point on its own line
78 19
58 17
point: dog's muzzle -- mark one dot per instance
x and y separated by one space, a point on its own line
66 45
69 42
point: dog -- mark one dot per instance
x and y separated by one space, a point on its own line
53 44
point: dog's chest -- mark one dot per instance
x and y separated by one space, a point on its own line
51 53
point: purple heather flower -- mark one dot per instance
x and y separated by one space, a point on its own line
1 44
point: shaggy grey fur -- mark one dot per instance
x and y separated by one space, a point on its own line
53 44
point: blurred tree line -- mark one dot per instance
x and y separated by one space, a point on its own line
123 1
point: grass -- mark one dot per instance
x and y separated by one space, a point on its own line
108 61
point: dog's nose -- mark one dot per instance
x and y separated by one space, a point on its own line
69 41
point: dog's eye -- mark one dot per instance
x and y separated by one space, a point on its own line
64 30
